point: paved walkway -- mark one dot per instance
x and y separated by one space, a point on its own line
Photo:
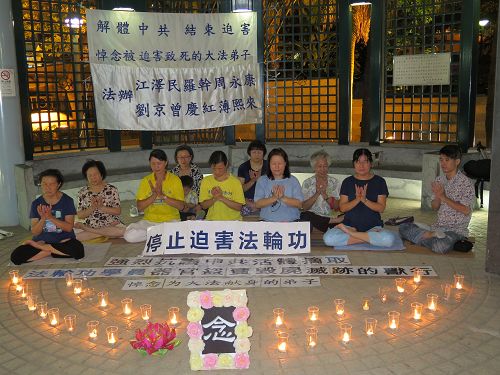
463 337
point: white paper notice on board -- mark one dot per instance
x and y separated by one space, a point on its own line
7 82
422 70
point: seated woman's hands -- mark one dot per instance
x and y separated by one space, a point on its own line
361 192
278 191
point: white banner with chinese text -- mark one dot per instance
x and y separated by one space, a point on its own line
161 71
228 237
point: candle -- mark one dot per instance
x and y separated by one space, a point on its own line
282 341
366 304
89 293
279 317
92 329
313 313
393 319
112 333
432 301
70 321
14 276
69 279
417 275
446 291
339 306
32 302
53 315
370 326
77 286
382 293
102 297
19 286
416 308
459 281
345 332
173 316
41 308
146 311
400 284
24 291
311 337
127 306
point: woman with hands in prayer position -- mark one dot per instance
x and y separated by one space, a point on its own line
278 194
362 198
52 217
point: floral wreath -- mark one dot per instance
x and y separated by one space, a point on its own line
197 301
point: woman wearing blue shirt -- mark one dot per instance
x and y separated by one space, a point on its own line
362 198
278 194
52 217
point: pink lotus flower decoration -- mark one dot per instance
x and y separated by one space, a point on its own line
195 330
241 313
155 339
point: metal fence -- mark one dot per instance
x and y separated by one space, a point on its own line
422 113
300 57
61 102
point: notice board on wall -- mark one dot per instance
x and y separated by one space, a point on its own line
422 70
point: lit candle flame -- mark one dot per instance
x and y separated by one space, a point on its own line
43 314
145 315
340 312
279 321
346 337
173 321
417 278
416 315
313 316
15 280
458 285
103 302
69 283
393 324
282 347
400 289
366 306
19 287
31 307
111 338
93 333
77 290
312 343
53 322
432 306
369 331
384 298
127 310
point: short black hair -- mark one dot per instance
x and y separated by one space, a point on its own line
256 145
94 164
451 151
183 148
187 181
217 157
158 154
52 173
360 152
278 152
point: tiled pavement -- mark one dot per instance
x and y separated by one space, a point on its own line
463 337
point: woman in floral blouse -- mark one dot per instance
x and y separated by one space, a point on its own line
185 167
98 205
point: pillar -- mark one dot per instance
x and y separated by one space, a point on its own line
11 140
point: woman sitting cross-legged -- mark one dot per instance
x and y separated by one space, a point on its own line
221 193
321 195
98 205
52 216
362 198
160 196
278 194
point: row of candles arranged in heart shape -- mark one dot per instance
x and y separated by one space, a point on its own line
52 314
345 329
